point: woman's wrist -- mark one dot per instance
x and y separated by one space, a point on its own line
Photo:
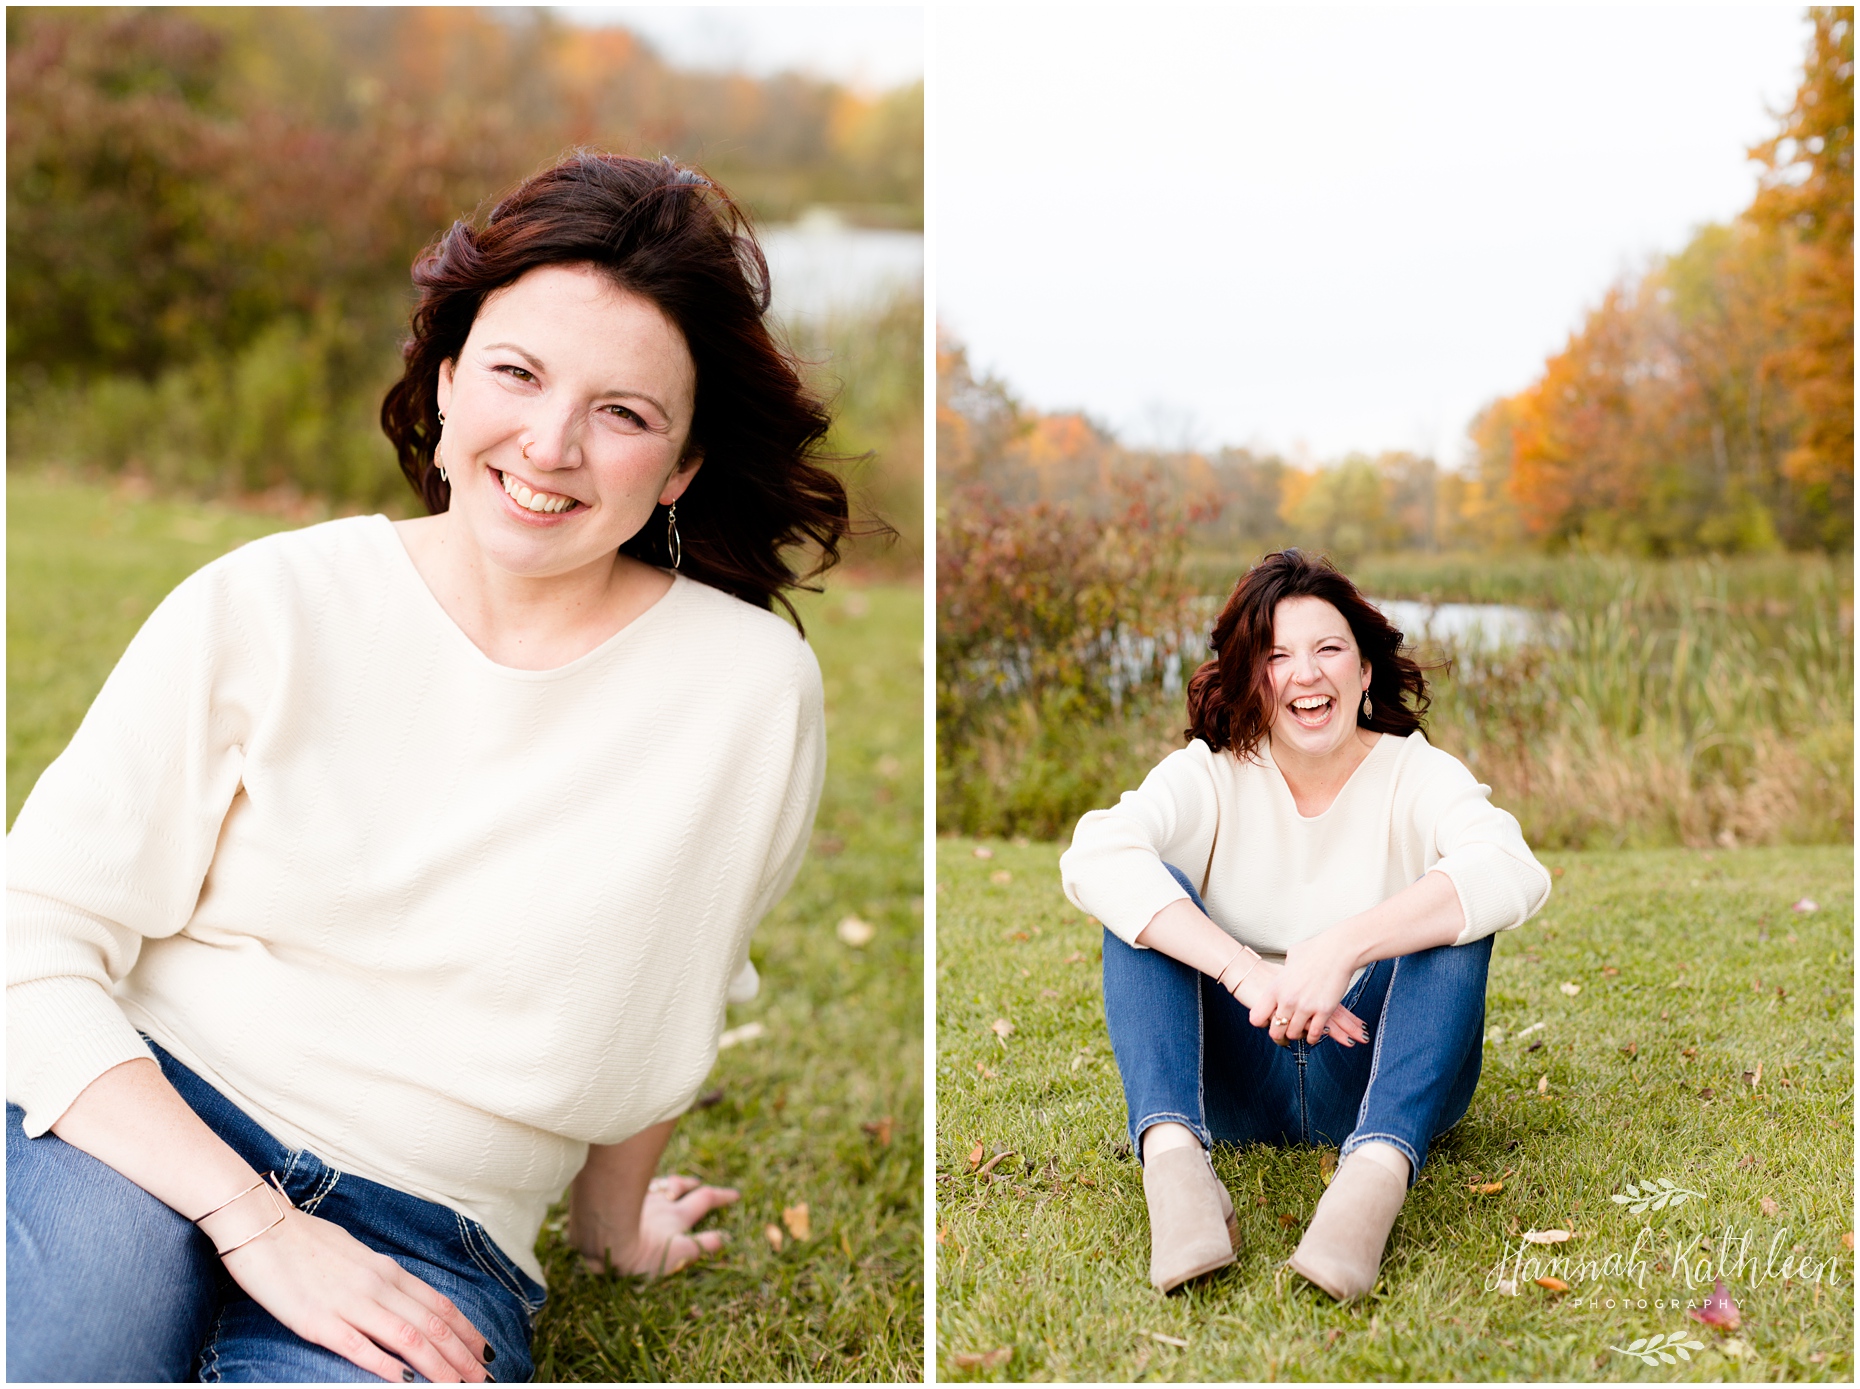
254 1211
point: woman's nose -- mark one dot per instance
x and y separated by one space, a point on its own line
550 441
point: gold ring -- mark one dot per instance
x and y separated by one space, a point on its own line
526 451
1280 1022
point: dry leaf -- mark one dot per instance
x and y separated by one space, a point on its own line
748 1032
1631 1050
1748 1161
983 851
1707 1093
881 1130
1754 1078
856 933
1287 1220
1719 1311
1167 1340
942 1233
1847 1240
986 1361
1546 1236
1807 904
796 1219
1002 1028
1000 877
1486 1188
1609 971
984 1072
1075 958
1571 989
1543 1085
975 1156
1768 1206
1078 1061
1555 1285
772 1233
1327 1166
989 1166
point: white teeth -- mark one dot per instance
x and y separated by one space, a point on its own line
535 501
1311 702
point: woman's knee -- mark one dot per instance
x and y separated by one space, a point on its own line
104 1282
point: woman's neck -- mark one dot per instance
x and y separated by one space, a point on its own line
528 622
1315 781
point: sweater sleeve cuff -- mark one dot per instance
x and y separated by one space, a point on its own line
1494 896
61 1034
1127 901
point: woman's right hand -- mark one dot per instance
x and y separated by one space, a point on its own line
1344 1028
331 1289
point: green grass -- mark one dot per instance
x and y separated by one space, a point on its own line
1047 1256
843 1045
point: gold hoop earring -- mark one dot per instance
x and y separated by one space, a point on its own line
673 545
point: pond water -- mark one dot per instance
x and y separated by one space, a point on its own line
821 266
1473 626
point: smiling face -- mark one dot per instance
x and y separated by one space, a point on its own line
1318 678
567 414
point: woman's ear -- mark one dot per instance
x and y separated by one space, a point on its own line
444 392
681 477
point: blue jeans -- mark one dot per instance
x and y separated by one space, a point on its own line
104 1282
1189 1054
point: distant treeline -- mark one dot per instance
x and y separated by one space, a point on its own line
211 215
1705 406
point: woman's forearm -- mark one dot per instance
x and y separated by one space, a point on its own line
130 1118
1184 932
1423 915
605 1201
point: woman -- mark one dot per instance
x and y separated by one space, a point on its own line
1298 912
399 874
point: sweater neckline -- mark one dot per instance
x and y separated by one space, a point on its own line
411 575
1285 789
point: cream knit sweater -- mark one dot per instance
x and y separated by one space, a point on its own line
1271 877
442 922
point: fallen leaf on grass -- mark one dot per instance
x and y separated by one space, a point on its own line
1002 1028
1076 958
1545 1236
1609 971
1330 1337
829 845
1555 1285
1327 1166
856 933
708 1098
1719 1312
1571 989
1631 1050
1287 1220
1543 1085
796 1219
942 1233
1486 1188
1768 1206
1807 904
975 1156
1166 1340
1000 877
984 1072
1847 1240
1748 1161
989 1166
1707 1093
881 1130
1754 1078
772 1233
736 1036
984 1360
983 851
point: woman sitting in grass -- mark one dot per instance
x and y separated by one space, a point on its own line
398 876
1298 909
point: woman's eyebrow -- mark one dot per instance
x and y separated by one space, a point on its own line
536 362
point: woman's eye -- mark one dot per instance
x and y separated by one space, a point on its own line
626 416
519 373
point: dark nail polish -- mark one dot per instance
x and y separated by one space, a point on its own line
489 1353
407 1375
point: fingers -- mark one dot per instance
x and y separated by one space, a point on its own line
455 1327
415 1336
695 1205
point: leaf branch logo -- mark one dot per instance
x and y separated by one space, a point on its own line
1658 1350
1655 1196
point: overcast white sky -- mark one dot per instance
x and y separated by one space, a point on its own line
872 47
1341 228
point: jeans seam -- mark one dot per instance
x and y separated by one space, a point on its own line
210 1371
1200 1126
491 1267
1375 1055
327 1185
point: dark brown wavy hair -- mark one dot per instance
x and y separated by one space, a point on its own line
1230 703
670 235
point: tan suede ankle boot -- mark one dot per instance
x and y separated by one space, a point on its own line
1192 1226
1342 1248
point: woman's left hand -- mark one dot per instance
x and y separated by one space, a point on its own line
664 1241
1306 990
